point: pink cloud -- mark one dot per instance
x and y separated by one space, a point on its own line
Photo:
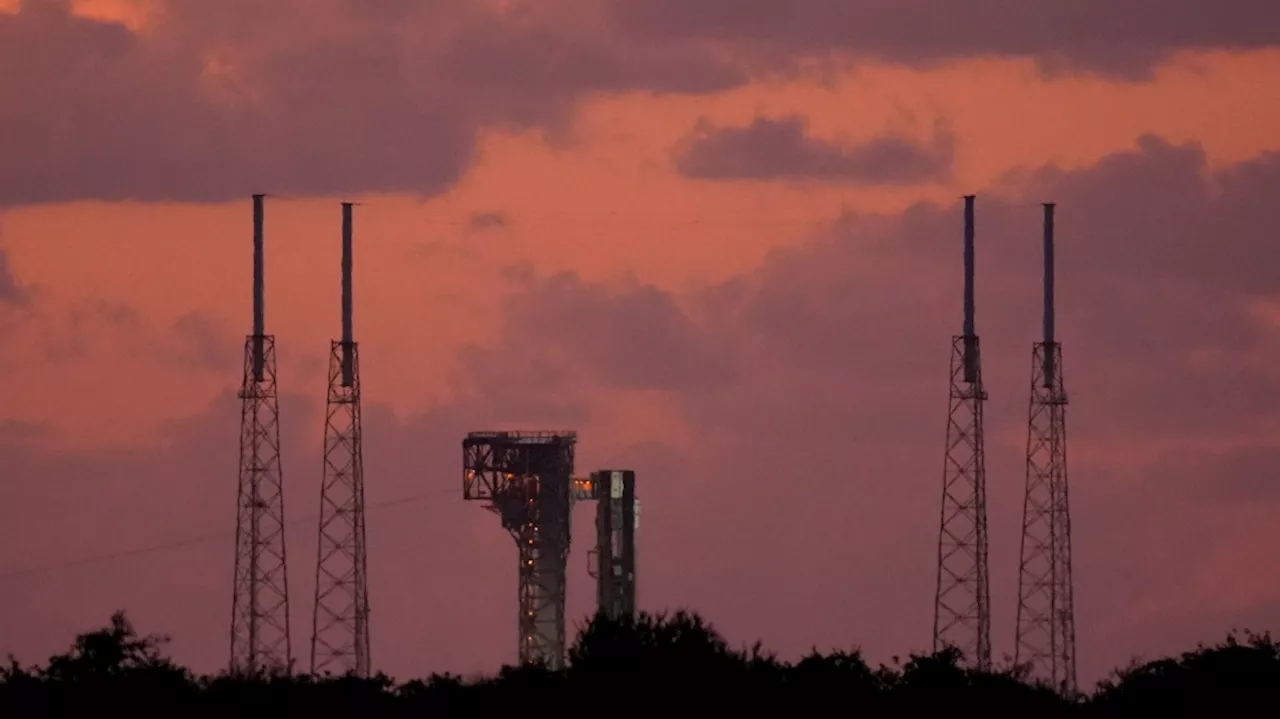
314 98
1124 38
780 149
802 509
214 101
811 488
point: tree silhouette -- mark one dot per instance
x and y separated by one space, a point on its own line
102 668
650 643
1231 676
113 651
652 664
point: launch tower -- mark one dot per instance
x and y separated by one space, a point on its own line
527 480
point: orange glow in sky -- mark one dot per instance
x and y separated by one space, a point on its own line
768 351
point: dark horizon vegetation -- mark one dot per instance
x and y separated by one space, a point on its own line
655 662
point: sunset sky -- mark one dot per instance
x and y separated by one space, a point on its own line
721 239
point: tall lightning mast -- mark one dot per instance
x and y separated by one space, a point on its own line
1046 634
962 605
260 601
340 628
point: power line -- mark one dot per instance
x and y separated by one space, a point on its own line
203 538
194 540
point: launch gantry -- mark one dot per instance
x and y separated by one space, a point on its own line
527 480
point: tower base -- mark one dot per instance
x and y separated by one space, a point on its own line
1045 643
340 629
962 604
260 603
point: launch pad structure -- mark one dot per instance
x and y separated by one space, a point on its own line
613 560
527 480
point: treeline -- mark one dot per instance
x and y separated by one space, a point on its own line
655 665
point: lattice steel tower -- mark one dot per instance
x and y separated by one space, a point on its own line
1046 630
527 479
340 624
260 603
962 607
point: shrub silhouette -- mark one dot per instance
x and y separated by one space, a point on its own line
103 667
652 644
674 664
1231 676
